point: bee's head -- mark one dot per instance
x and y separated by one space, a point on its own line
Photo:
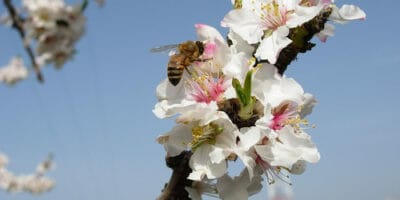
200 46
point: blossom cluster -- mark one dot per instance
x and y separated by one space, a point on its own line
35 183
231 103
53 27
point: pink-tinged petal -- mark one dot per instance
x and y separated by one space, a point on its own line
206 88
206 32
327 32
209 50
245 23
326 2
271 46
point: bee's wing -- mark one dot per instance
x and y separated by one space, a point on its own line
170 49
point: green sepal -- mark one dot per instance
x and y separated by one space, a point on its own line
239 91
247 101
247 86
246 112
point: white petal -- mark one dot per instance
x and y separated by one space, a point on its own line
217 155
271 46
205 32
300 143
193 193
303 14
299 167
176 140
347 13
229 189
265 152
239 44
283 89
202 166
166 91
248 161
245 23
201 112
250 137
237 67
255 185
308 105
351 12
167 108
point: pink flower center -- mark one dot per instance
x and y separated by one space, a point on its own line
274 15
209 50
287 113
206 88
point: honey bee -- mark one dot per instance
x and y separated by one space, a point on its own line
187 53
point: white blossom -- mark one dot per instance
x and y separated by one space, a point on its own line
232 104
15 71
35 183
239 187
56 27
268 22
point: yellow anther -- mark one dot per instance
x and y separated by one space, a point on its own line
204 134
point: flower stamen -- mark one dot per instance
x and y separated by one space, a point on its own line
205 134
288 113
206 88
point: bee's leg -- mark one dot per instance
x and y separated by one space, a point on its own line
188 70
203 60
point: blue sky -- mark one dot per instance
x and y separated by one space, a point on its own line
95 114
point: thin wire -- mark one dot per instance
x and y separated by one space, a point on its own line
44 113
69 101
47 116
101 111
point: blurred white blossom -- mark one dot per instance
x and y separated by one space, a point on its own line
34 183
56 27
13 72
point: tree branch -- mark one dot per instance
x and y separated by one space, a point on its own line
18 25
175 189
301 37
